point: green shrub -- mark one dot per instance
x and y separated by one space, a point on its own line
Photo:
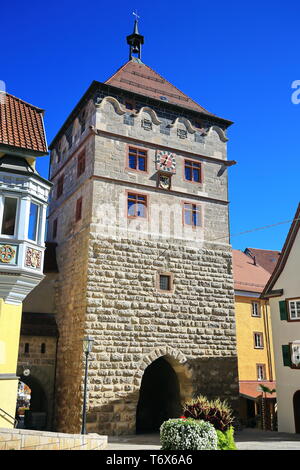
226 439
216 412
188 434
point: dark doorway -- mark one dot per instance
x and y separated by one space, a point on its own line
159 397
296 402
35 413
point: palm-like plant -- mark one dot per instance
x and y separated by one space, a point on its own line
265 390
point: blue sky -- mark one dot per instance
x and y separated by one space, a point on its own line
237 60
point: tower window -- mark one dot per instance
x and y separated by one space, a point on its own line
26 348
43 348
81 163
136 205
191 214
137 159
192 171
165 282
60 186
78 209
54 229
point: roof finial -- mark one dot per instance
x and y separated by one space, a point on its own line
135 40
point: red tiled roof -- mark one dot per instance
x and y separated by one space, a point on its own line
21 124
288 245
253 390
140 78
248 276
265 258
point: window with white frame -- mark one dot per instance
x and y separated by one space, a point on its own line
255 309
9 216
258 340
33 221
294 309
261 371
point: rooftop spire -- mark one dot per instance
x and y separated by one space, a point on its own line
135 40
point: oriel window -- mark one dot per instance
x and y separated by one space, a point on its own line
9 216
33 221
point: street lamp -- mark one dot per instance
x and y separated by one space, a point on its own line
87 348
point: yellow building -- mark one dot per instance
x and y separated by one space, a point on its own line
23 204
254 337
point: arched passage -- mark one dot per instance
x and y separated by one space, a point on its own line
296 404
159 397
36 416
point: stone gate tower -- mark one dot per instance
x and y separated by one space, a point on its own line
139 212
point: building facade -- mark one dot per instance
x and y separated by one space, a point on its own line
139 212
23 203
38 347
283 292
254 341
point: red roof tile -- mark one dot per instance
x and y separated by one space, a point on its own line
253 390
285 252
265 258
247 275
140 78
21 124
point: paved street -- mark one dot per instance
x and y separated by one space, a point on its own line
248 439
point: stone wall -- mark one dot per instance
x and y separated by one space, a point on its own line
133 324
71 310
109 266
21 439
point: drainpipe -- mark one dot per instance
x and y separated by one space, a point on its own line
268 342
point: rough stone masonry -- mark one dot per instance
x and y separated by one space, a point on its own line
110 264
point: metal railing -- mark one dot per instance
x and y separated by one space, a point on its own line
13 421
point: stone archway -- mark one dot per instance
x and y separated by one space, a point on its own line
164 386
41 382
36 416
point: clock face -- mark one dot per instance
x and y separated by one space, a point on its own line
165 161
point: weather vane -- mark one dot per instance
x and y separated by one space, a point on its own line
136 15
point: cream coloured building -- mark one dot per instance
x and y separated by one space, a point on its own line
283 292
